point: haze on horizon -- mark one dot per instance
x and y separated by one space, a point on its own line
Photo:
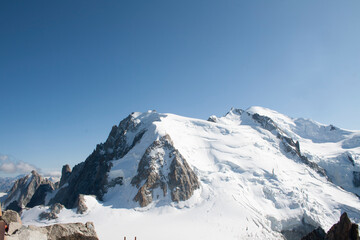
70 70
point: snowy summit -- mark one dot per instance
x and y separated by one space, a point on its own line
251 174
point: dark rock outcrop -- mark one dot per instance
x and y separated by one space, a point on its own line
40 194
65 174
116 181
54 210
351 160
162 166
265 122
294 148
298 231
14 205
47 216
316 234
343 230
24 189
212 119
356 179
332 127
90 177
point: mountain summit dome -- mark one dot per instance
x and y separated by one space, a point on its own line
250 174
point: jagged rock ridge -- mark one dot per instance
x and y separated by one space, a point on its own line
90 177
25 191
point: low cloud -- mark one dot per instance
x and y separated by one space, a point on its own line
4 157
53 174
9 165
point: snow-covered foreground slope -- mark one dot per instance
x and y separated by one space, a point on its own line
250 186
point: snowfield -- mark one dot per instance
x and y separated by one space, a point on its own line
250 187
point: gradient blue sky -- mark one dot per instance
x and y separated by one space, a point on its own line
69 70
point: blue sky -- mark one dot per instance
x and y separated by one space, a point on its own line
69 70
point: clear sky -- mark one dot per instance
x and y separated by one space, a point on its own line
69 70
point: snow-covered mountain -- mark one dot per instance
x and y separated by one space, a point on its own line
251 174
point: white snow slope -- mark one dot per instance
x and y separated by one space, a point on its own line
250 188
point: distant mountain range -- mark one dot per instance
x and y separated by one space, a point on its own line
6 183
251 174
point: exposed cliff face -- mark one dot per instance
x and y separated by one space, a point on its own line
122 138
90 177
343 230
40 194
24 189
162 166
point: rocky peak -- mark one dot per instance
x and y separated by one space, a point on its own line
65 173
162 166
122 138
23 190
332 127
236 111
213 119
343 230
90 177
